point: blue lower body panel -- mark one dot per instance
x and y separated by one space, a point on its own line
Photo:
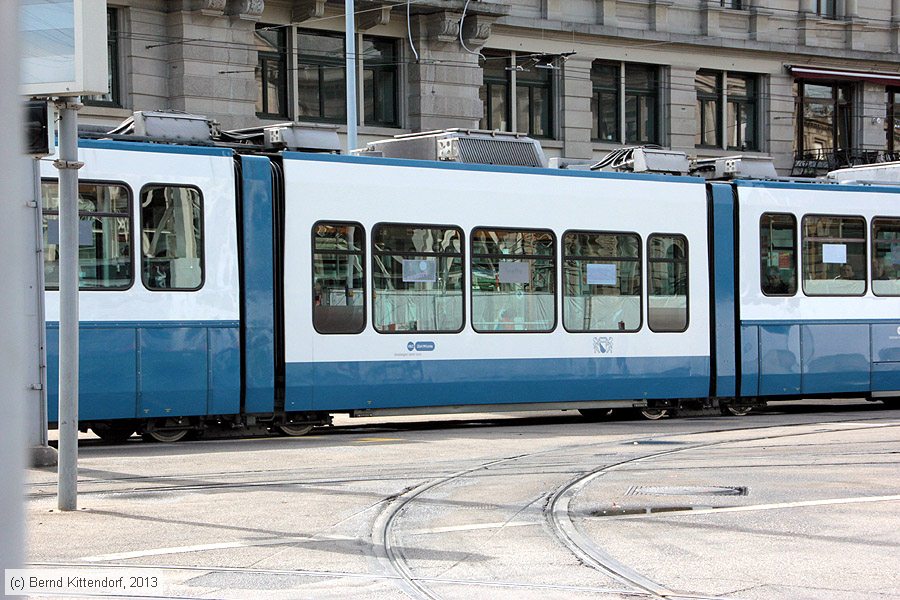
835 358
397 384
820 358
145 370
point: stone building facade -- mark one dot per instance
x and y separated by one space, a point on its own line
811 83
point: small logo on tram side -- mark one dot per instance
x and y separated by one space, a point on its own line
424 346
410 346
603 345
898 331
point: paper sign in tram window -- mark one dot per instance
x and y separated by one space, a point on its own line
85 232
834 253
515 272
419 270
601 274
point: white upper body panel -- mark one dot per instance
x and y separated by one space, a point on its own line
800 201
218 298
371 193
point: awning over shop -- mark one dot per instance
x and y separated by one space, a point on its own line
890 79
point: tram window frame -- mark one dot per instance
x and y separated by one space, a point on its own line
363 274
806 253
131 224
602 259
874 258
687 277
461 255
202 243
530 257
763 267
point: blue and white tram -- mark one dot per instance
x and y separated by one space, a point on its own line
271 291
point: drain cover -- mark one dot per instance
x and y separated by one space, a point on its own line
711 490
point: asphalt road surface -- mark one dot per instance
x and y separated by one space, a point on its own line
801 500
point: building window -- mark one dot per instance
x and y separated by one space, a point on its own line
667 260
736 92
734 4
834 256
113 97
892 123
513 280
417 278
321 78
823 120
104 236
338 277
741 93
826 8
606 81
171 237
886 257
271 72
380 82
709 109
494 92
601 281
625 103
778 254
530 108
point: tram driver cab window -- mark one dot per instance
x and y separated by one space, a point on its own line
339 290
171 238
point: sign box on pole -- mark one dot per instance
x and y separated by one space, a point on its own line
62 51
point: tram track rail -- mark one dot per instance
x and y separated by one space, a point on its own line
559 514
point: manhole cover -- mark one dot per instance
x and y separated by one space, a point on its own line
710 490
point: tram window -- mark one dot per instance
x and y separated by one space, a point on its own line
104 236
886 256
417 276
834 256
338 277
667 261
171 238
513 280
601 281
778 254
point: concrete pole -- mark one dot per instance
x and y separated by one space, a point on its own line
350 42
16 269
68 166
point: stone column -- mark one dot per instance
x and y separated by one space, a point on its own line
575 104
807 6
444 83
606 13
659 14
215 77
683 124
895 25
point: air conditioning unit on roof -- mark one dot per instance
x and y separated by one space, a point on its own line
472 146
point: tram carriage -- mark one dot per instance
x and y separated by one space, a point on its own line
222 286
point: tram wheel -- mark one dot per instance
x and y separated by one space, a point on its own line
166 436
294 429
654 414
597 414
734 411
113 433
